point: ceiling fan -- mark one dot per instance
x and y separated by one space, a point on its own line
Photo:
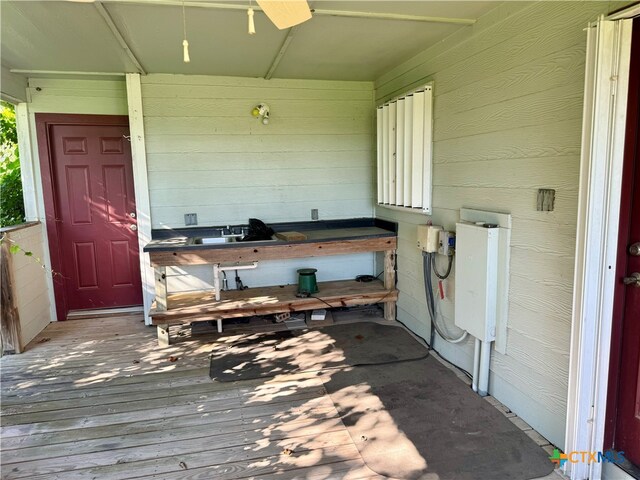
286 13
282 13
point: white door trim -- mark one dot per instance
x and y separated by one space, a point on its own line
604 121
141 184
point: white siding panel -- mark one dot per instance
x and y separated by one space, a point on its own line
507 121
220 162
208 155
31 291
270 272
180 144
105 97
264 93
228 214
266 85
207 107
245 125
260 177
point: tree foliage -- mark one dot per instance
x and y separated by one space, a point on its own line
11 200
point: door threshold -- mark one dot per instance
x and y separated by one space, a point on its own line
104 312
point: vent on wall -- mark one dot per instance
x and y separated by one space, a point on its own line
404 150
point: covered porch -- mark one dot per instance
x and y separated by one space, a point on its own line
154 136
98 399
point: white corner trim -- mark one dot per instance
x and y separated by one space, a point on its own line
39 198
26 163
604 119
141 186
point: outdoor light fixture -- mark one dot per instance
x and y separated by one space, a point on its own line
261 111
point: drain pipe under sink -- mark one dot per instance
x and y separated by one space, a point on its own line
217 268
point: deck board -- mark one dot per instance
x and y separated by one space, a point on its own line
77 406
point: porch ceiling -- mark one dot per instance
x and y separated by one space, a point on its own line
70 36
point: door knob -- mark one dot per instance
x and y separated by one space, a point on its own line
133 227
633 279
634 249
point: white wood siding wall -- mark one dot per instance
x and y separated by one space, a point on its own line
206 154
32 298
507 121
99 97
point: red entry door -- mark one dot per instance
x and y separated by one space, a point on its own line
95 216
627 431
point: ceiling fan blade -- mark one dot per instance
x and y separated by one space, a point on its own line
286 13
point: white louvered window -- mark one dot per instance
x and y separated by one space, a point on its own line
404 150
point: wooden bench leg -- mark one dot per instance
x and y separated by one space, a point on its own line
390 283
161 289
163 336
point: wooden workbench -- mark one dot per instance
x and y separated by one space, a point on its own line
201 306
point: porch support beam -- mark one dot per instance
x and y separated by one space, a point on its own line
116 33
27 171
279 56
393 16
318 11
141 186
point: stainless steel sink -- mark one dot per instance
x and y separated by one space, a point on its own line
213 240
223 239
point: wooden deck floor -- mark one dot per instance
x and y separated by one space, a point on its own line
98 399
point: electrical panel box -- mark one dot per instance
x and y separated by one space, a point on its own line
429 238
476 281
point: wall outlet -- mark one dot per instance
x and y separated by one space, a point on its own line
190 219
314 214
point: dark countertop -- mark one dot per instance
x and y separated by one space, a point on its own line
316 231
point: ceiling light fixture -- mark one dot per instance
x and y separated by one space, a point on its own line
185 42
